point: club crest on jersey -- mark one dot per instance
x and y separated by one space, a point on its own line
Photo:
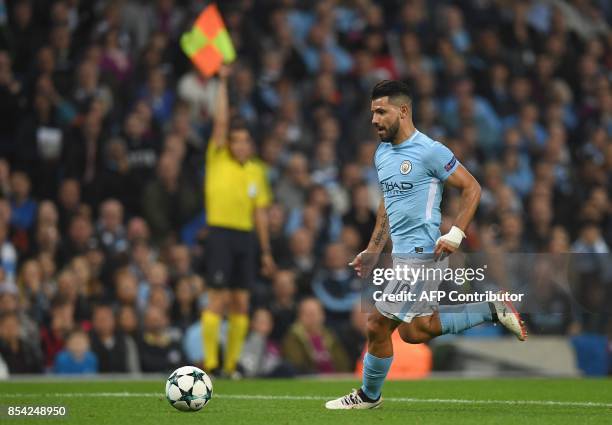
405 167
252 190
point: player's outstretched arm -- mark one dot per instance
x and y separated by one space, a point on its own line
470 197
221 113
365 260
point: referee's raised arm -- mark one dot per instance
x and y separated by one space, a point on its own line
221 113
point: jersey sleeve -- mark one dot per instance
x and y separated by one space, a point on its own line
214 152
377 155
441 162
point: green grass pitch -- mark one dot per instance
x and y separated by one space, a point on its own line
457 401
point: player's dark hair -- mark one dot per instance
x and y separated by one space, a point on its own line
238 124
391 88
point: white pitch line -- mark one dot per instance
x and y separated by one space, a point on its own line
323 398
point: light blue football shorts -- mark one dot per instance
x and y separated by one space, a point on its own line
424 277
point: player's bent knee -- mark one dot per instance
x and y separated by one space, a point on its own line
412 335
217 306
239 302
239 308
378 327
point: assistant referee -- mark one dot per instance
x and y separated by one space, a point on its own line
237 195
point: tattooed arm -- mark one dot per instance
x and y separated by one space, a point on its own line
381 230
365 260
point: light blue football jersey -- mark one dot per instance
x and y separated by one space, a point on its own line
411 177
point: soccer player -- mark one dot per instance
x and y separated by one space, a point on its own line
237 195
412 169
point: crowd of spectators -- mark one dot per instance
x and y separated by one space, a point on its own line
104 124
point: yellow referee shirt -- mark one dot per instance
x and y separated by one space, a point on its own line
232 190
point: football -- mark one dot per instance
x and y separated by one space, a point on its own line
188 389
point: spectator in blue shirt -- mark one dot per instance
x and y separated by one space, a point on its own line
158 96
336 286
76 358
22 205
8 254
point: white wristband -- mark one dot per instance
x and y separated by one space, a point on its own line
454 237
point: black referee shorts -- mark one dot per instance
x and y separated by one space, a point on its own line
230 259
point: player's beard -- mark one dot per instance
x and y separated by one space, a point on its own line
390 133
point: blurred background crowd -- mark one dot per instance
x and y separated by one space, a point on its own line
104 124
